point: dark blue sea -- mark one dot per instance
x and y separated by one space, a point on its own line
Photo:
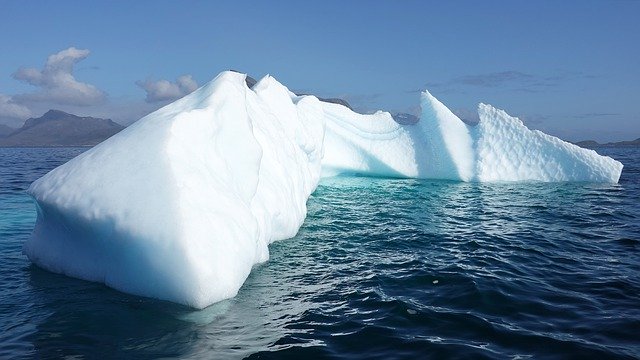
381 269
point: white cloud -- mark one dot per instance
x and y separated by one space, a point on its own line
9 109
163 90
57 83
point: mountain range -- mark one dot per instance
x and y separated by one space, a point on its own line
594 144
58 128
5 130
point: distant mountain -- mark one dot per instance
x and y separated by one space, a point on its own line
588 144
595 144
635 142
405 119
250 81
338 101
58 128
5 130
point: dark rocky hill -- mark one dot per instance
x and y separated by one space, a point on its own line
5 130
405 119
58 128
595 144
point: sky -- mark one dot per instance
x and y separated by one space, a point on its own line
568 68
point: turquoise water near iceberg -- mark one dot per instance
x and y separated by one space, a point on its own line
382 268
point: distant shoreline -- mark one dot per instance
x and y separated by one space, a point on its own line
44 146
590 144
58 129
587 144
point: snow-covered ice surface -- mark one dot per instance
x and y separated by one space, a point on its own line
441 146
180 205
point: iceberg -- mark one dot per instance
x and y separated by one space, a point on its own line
182 204
441 146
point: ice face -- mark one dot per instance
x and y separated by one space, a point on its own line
441 146
180 205
508 151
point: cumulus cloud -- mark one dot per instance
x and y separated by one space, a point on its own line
9 109
163 90
13 114
57 83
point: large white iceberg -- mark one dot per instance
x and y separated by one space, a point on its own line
180 205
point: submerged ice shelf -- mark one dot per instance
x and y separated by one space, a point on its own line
180 205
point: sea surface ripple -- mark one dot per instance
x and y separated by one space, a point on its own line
382 268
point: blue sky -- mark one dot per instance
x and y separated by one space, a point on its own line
569 68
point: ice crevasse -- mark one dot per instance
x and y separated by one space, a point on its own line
180 205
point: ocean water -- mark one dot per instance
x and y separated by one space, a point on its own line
382 268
